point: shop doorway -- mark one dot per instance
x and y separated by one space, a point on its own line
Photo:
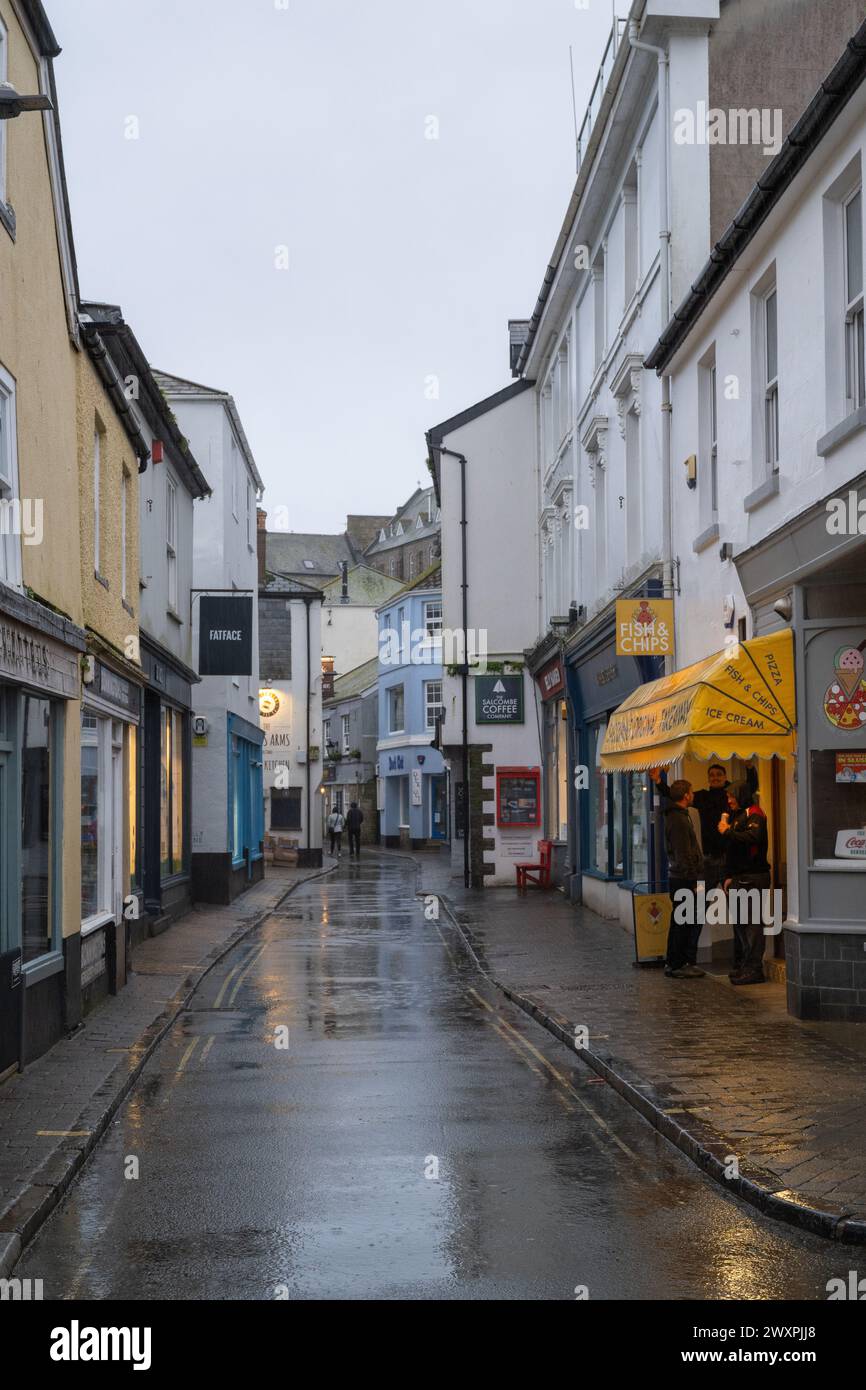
438 808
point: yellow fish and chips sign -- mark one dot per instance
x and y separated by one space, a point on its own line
740 702
644 627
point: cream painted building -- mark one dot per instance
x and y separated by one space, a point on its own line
41 610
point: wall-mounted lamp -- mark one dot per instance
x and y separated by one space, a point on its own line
691 467
12 104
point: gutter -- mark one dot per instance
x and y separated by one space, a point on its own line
825 107
113 385
598 130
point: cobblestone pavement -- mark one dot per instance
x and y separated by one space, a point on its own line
787 1097
51 1114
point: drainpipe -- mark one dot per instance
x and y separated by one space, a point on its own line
464 669
665 249
656 839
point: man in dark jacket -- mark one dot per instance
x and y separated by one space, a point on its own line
353 825
743 828
710 802
685 866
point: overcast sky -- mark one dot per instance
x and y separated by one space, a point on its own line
265 124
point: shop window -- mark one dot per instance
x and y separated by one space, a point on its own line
286 808
36 904
171 852
598 804
638 827
91 796
132 784
838 806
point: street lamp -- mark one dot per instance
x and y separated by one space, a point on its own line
12 104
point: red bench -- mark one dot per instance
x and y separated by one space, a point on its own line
536 873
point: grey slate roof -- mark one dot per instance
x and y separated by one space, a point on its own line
354 682
407 515
180 388
286 551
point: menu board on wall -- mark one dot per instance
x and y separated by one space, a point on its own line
518 796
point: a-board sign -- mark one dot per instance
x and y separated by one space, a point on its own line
518 796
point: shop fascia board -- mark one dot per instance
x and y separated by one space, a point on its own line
797 550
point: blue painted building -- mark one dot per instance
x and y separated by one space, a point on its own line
412 777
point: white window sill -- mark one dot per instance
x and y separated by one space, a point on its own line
93 924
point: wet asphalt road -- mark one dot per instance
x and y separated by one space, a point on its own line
418 1138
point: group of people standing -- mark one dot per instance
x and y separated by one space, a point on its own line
732 854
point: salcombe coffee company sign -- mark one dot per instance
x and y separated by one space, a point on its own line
225 635
498 699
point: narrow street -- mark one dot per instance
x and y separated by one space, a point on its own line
418 1138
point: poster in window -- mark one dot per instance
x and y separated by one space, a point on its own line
518 796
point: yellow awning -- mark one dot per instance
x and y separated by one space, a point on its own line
739 703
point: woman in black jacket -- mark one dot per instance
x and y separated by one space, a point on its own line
743 829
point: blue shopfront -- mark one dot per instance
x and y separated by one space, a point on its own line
612 835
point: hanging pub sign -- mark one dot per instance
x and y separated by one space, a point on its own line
518 796
551 679
644 627
225 635
498 699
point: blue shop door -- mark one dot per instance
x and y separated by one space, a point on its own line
438 808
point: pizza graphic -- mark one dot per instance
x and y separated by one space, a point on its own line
845 698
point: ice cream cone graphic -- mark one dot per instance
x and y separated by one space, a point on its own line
845 699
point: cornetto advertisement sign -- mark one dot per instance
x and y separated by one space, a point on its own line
225 635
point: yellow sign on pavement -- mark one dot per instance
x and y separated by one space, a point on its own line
644 627
652 919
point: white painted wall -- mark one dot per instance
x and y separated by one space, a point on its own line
502 575
222 558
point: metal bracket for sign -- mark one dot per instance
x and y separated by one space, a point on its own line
197 593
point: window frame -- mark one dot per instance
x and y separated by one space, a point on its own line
10 542
437 706
855 349
770 383
172 588
345 732
97 495
391 697
4 77
434 633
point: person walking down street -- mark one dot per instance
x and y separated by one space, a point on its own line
353 825
685 866
336 821
743 828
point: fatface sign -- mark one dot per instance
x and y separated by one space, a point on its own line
225 636
644 627
498 699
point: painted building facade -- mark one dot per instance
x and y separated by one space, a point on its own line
769 513
227 753
413 791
